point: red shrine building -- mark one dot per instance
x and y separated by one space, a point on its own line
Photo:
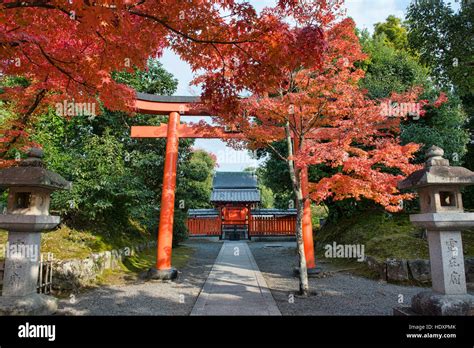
237 214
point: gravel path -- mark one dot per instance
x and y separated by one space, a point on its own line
150 298
337 294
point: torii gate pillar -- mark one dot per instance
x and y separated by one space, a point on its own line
307 225
164 270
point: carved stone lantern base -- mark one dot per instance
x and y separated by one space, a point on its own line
432 303
20 281
34 304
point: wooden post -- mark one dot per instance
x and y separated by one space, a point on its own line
307 223
165 232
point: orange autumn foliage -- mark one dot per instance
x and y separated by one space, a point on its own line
337 125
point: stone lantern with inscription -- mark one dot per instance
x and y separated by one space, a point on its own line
29 188
442 215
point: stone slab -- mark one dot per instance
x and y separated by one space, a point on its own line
435 304
21 264
443 221
235 286
28 223
447 262
35 304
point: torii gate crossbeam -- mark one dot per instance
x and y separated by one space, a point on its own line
175 107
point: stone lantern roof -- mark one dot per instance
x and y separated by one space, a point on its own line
437 171
31 173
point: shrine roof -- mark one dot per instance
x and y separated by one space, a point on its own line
239 195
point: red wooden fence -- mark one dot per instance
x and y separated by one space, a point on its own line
272 226
258 226
200 226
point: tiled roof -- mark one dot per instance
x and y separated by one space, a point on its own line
255 212
203 212
235 180
240 195
274 212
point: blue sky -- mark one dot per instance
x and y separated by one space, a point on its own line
365 13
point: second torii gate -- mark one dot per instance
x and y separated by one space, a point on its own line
173 131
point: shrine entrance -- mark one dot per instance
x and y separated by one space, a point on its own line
235 223
234 195
175 107
237 214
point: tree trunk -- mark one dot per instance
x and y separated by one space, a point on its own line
296 181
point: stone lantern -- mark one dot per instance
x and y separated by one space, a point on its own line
442 215
29 188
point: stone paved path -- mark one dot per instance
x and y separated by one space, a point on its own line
235 286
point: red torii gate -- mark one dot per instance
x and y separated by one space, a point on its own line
175 106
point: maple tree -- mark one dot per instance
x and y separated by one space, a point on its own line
313 101
68 50
294 63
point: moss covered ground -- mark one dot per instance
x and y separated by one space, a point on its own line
384 236
133 267
77 243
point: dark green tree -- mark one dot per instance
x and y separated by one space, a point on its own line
154 80
445 41
388 69
116 179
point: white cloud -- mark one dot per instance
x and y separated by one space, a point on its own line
368 12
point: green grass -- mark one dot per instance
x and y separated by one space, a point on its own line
147 259
399 246
365 226
318 212
135 265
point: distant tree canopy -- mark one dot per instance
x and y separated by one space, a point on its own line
154 80
274 175
394 32
196 189
444 39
